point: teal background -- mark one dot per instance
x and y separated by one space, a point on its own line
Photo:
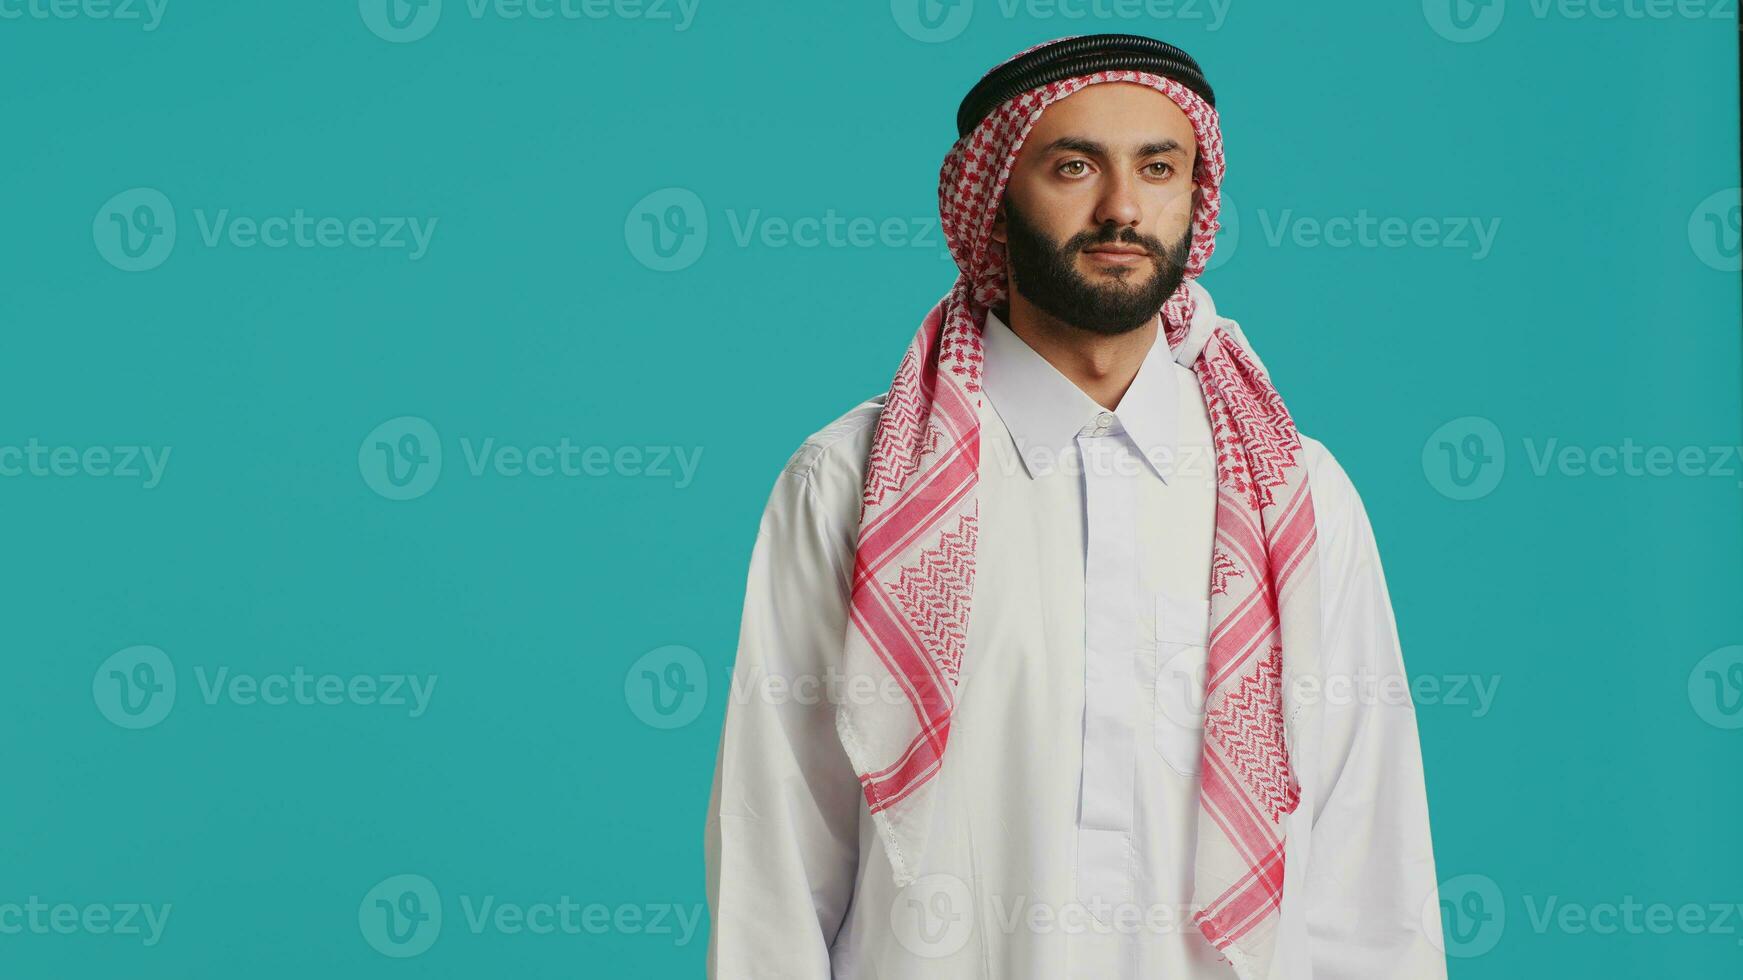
533 775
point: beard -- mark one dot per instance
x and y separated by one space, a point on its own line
1045 273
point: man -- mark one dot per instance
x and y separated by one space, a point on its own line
1039 667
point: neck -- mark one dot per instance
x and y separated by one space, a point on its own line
1102 366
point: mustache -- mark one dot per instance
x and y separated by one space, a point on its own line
1108 236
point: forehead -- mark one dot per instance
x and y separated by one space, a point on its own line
1119 114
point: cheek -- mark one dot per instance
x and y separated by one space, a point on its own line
1176 214
1058 216
1054 206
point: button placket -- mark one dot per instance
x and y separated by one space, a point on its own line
1111 702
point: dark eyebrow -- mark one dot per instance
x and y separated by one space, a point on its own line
1093 148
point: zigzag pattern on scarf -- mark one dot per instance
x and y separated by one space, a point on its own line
935 592
1231 469
1259 423
1222 570
1248 726
900 442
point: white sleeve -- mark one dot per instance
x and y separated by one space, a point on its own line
1371 880
782 836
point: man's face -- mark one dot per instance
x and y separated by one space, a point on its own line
1097 216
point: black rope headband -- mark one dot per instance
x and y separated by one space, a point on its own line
1079 56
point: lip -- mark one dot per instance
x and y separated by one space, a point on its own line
1126 255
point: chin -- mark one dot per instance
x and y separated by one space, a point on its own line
1121 281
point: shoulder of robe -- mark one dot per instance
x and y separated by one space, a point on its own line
1323 469
1338 510
832 460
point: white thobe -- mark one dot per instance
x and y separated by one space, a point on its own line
1066 809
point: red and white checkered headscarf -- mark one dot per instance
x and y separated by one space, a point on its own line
913 575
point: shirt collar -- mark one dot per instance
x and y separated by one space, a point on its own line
1044 410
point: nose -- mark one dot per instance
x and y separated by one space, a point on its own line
1119 201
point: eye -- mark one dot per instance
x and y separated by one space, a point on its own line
1166 168
1064 168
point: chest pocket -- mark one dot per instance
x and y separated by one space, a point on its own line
1182 634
